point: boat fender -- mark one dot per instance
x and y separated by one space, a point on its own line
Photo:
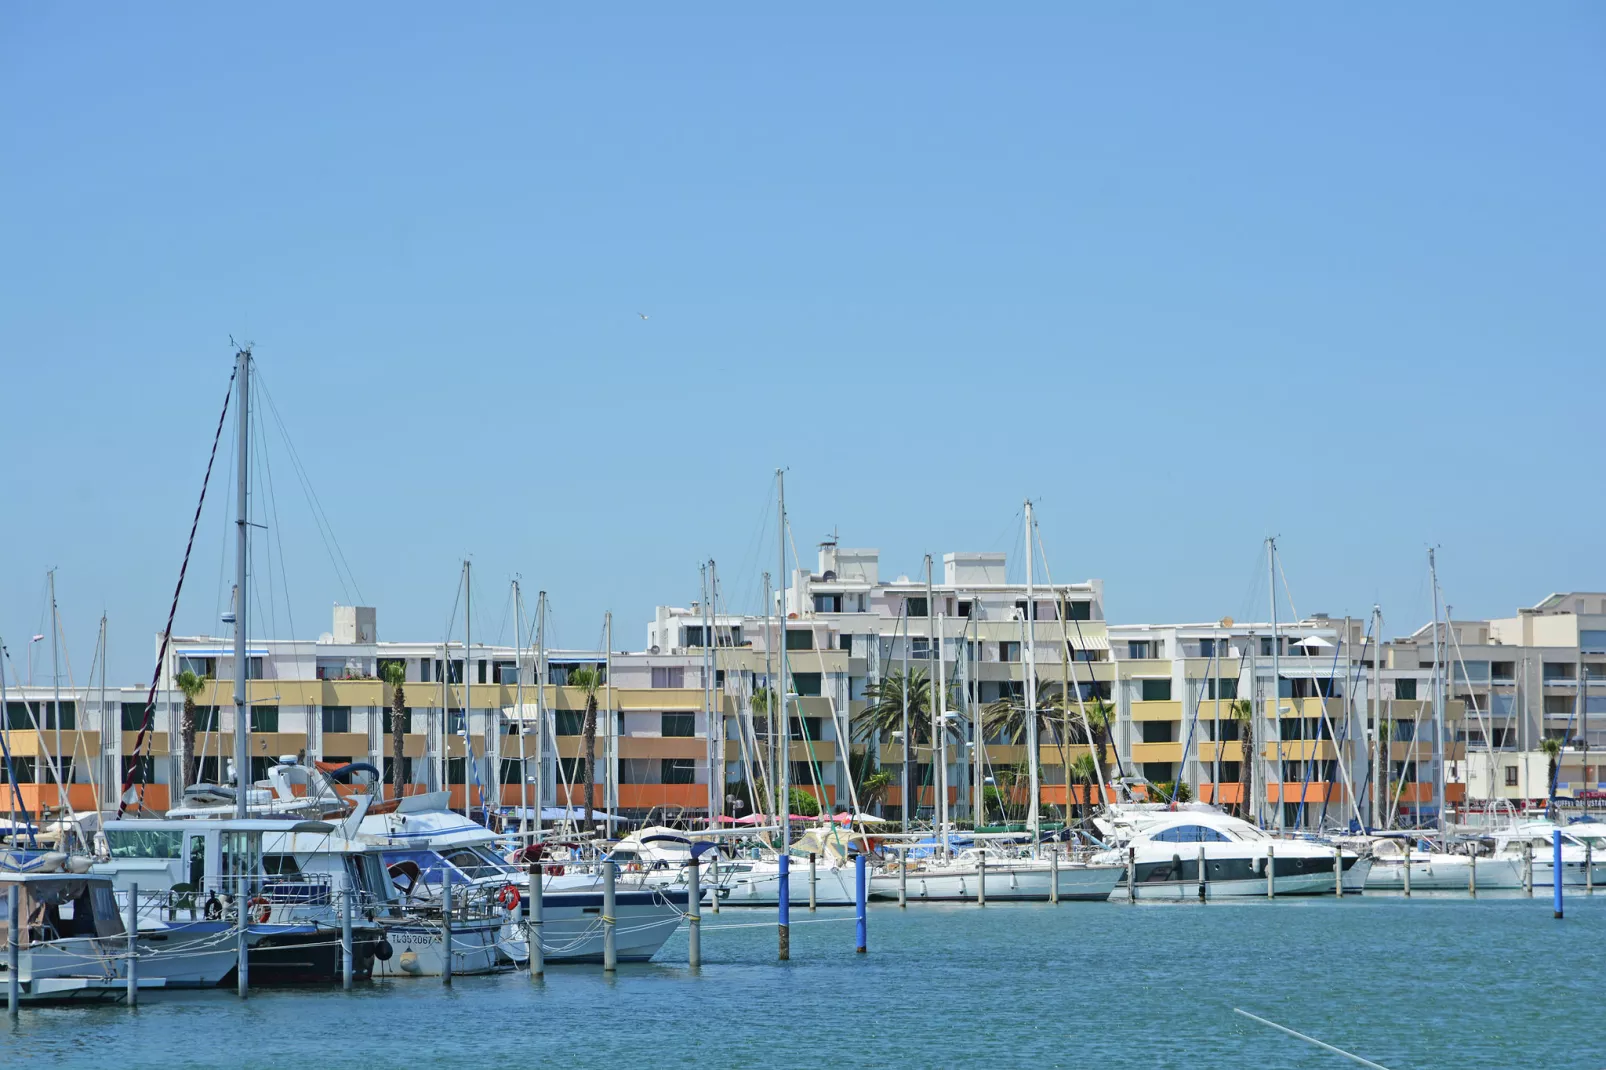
508 896
213 908
409 963
383 951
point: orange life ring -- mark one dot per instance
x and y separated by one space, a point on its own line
508 896
258 909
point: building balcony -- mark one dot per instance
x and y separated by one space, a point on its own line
1225 793
1156 711
1227 750
1157 752
26 743
1300 750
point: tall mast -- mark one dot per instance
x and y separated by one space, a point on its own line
518 704
610 740
785 734
55 678
1029 659
1438 695
99 773
708 697
939 737
540 708
716 715
468 687
242 598
908 744
931 698
1276 676
1379 769
772 774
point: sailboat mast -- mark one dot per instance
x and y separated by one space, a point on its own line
771 774
716 715
708 697
468 685
540 708
242 598
931 697
1276 677
55 677
1438 695
518 704
1379 769
1029 659
610 747
784 736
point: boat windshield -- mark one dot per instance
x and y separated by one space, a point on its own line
1248 832
475 863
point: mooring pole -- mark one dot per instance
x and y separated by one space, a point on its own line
861 900
533 938
133 945
903 878
1054 878
694 917
610 925
1556 863
1271 871
13 965
1201 873
1338 872
981 880
783 906
1131 874
814 878
347 950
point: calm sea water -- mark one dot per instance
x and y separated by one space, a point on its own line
1433 981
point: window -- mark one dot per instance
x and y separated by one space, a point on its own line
1157 772
505 672
1207 648
679 724
143 769
337 718
454 676
23 768
1502 670
827 603
803 776
1511 776
1556 670
203 667
390 770
1157 731
264 718
133 716
678 770
915 607
1226 729
454 721
1156 690
964 608
1231 772
1405 690
807 728
669 676
920 649
1191 834
1079 610
407 721
479 677
845 643
1221 687
569 722
17 716
423 670
572 770
69 715
1265 646
694 635
140 843
1009 651
513 771
457 770
1137 648
799 639
806 683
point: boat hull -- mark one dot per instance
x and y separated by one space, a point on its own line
419 948
571 926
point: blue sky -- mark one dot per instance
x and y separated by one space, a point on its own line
1188 275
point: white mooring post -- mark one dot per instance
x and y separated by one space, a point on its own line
132 924
694 916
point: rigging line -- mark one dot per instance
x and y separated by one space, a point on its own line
278 536
223 541
167 633
320 517
258 461
1352 1057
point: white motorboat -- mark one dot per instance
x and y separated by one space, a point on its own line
1436 870
426 845
196 875
833 849
1583 846
1165 846
1006 877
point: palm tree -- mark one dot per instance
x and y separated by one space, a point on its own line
192 685
588 679
1552 749
883 715
396 677
1084 770
1243 711
760 705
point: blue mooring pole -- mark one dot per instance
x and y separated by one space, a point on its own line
859 898
783 903
1556 865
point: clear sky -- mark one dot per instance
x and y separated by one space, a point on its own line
1187 274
